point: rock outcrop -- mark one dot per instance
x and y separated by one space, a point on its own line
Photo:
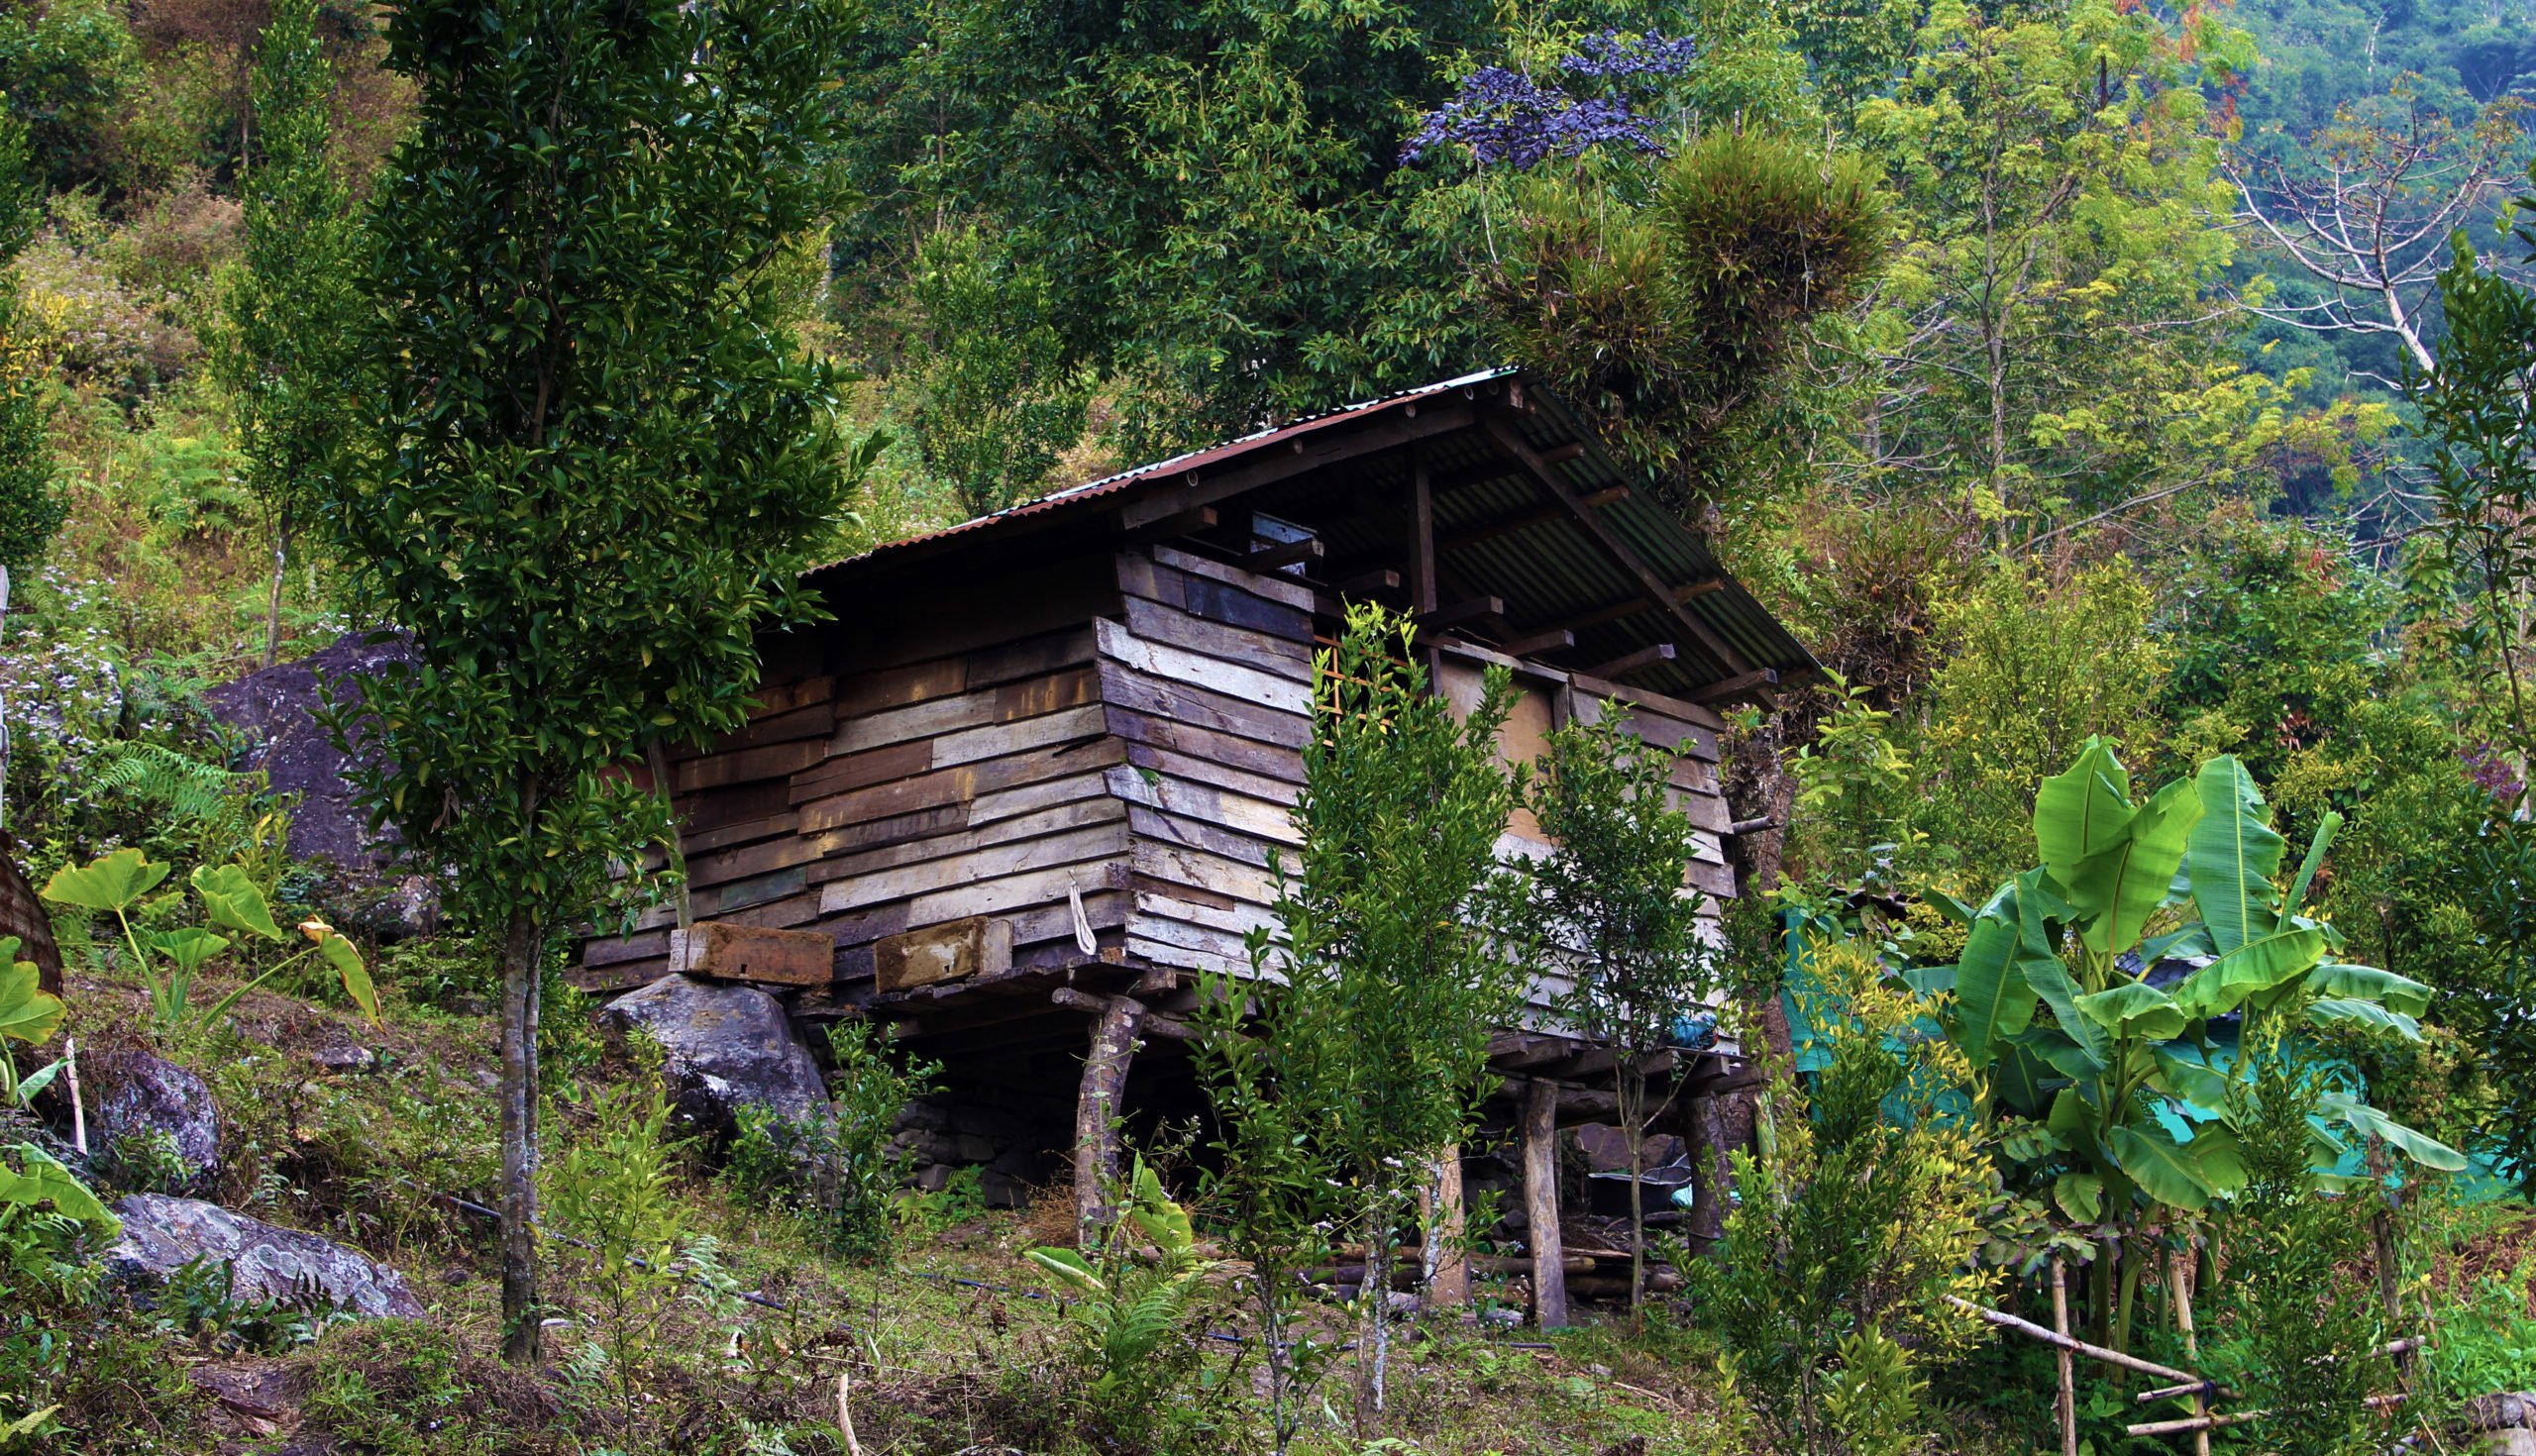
163 1234
144 1098
725 1047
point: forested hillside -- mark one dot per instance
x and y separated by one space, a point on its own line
2128 405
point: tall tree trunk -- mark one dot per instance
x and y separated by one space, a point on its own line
1096 1119
1373 1319
523 952
272 594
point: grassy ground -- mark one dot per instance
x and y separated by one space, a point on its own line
949 1345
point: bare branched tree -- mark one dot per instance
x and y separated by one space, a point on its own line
2365 208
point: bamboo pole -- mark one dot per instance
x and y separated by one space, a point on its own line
2099 1353
2181 1288
2069 1396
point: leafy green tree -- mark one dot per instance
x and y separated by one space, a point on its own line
989 391
591 451
1611 904
70 69
2042 351
288 305
1374 1048
31 507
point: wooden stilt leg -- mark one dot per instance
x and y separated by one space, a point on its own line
1541 1205
2069 1374
1095 1116
1451 1288
1712 1169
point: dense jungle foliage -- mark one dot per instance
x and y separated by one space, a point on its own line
2132 406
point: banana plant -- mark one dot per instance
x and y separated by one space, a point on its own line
2053 996
231 901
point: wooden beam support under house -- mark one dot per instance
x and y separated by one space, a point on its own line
1095 1116
1447 1222
1541 1205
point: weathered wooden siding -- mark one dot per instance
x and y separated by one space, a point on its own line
1207 682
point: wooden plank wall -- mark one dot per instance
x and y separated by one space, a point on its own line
1208 685
974 781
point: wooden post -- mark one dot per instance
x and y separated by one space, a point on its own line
1541 1203
1448 1287
1712 1168
1095 1116
2180 1289
1421 534
2069 1374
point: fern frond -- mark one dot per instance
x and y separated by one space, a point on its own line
187 787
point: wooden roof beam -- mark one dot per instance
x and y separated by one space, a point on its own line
1511 441
1341 440
1455 614
1636 604
1508 525
1755 683
1638 661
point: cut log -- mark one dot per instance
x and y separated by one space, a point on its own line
1451 1288
1541 1203
719 951
1095 1118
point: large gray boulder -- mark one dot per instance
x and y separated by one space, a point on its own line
275 710
163 1234
725 1047
144 1098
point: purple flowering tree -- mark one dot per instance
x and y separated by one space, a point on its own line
1590 97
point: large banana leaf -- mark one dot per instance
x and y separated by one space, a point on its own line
2051 980
2369 983
2250 969
2325 831
2164 1169
2343 1010
2367 1121
2188 1081
2126 884
1992 999
2082 813
2133 1009
2233 855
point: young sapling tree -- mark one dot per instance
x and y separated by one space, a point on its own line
1611 902
592 455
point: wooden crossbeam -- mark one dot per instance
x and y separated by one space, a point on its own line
1453 614
1487 470
1759 680
1636 604
1186 523
1329 446
1380 580
1538 642
1638 661
1269 559
1511 441
1491 529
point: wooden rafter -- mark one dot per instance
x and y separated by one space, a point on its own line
1511 441
1508 525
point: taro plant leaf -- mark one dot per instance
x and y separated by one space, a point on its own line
2367 983
2189 1080
44 1179
1071 1270
2233 855
115 883
2251 968
1992 998
2127 883
2332 1011
2161 1166
2330 825
188 948
233 901
40 1079
2081 814
2133 1009
2081 1196
27 1012
346 959
2367 1121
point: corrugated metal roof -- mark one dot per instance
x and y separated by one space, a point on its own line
1551 573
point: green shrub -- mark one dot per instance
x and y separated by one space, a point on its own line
840 1169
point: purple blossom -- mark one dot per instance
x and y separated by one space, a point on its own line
1504 115
2492 771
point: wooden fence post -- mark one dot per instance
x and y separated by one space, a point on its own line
1541 1203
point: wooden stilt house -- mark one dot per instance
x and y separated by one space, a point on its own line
1032 775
